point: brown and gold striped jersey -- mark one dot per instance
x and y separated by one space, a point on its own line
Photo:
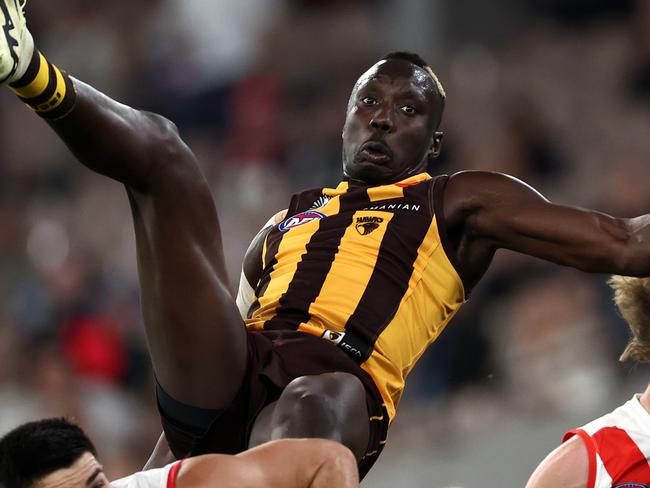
366 268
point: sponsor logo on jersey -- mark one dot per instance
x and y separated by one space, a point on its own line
411 207
366 225
300 219
631 485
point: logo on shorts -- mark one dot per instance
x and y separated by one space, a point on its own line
300 219
338 338
366 225
631 485
332 336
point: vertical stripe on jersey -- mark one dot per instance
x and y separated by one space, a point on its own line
311 272
393 271
267 250
345 283
385 192
622 458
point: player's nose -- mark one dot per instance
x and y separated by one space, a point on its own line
381 121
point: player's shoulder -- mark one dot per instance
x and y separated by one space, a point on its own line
479 179
152 478
631 416
566 466
467 190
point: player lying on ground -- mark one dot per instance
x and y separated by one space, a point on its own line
613 450
346 290
55 453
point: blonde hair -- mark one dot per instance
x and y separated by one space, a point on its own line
439 87
632 297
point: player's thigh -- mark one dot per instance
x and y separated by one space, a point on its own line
195 334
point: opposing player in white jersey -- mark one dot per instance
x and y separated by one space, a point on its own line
612 451
55 453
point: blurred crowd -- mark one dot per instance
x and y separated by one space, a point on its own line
556 93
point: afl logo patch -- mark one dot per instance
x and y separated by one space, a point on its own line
300 219
366 225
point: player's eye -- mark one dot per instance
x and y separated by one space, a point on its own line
408 109
369 100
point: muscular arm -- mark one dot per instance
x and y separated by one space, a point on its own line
287 463
486 211
567 467
253 264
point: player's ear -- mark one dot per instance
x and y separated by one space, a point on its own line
436 145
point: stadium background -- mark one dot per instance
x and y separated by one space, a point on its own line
556 92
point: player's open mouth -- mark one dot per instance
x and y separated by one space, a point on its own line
375 152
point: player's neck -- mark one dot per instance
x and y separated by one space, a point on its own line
644 399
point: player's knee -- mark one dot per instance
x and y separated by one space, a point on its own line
166 150
325 405
308 394
162 133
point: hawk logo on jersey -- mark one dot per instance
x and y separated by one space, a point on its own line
300 219
631 485
366 225
321 201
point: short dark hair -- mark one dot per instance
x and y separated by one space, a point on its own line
35 449
414 58
417 60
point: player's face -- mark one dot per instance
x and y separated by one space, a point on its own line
86 472
389 130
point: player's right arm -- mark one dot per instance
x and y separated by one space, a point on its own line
286 463
567 467
253 265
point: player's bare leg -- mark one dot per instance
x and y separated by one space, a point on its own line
196 338
327 406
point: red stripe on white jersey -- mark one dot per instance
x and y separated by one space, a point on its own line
622 458
591 453
173 473
618 446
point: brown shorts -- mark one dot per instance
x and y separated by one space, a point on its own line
275 358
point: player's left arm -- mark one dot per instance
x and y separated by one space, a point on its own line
286 463
503 212
567 467
252 266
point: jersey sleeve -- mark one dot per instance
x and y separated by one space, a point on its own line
591 453
152 478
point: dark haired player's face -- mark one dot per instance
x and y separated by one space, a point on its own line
86 472
389 128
